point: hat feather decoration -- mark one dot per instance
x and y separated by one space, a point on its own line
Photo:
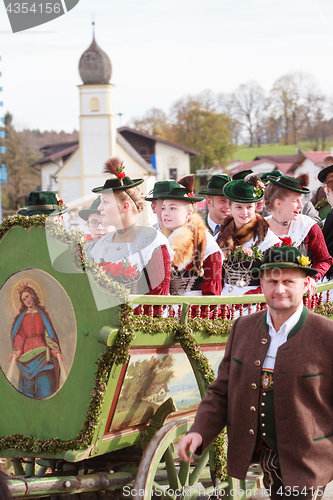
188 182
303 179
114 166
252 179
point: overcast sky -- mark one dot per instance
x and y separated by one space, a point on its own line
161 50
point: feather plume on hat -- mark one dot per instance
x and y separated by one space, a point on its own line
303 179
252 179
113 166
188 182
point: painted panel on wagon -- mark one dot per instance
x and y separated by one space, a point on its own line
151 378
38 333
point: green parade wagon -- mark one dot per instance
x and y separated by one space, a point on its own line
99 399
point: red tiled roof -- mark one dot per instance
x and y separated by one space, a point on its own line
279 158
248 165
316 156
283 167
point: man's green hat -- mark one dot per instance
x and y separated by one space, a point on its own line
245 190
215 185
274 173
242 174
287 257
160 188
43 203
180 193
289 183
86 212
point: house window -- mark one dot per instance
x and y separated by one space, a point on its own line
94 104
143 151
173 173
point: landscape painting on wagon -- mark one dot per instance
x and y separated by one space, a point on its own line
153 376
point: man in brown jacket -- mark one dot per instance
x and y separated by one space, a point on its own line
274 389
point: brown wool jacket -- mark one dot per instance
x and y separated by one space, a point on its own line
303 399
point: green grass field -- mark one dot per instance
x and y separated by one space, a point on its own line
246 153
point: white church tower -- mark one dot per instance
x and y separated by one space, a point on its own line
97 120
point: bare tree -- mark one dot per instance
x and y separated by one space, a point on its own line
318 128
154 122
249 104
288 102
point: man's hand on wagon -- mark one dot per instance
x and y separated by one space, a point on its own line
187 446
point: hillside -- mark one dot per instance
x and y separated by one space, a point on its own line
246 153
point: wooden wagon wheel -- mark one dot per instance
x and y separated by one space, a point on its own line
157 471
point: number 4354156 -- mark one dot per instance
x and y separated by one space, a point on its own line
23 8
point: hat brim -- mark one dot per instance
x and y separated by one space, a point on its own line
232 197
29 213
85 213
136 182
280 184
309 271
212 192
324 173
181 198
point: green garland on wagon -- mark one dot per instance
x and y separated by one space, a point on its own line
119 352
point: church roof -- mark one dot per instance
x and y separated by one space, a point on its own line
192 152
54 151
95 66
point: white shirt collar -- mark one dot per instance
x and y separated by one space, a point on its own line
280 337
211 223
287 325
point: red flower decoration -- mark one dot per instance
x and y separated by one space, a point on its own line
121 175
286 242
191 195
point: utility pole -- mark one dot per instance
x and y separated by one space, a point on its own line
3 170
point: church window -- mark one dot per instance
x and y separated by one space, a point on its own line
94 104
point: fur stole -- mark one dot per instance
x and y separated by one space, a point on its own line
229 238
189 244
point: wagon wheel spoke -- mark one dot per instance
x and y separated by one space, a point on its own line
157 471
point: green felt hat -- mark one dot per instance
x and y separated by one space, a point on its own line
324 173
43 203
215 185
242 174
274 173
288 183
287 257
86 212
160 188
118 184
180 193
243 192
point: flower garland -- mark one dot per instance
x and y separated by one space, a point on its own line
242 252
119 352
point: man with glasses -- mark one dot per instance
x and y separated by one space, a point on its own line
95 225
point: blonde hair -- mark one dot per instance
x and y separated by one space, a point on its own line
132 195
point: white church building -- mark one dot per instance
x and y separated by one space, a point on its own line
74 169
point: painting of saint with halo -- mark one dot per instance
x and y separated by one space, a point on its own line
35 347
